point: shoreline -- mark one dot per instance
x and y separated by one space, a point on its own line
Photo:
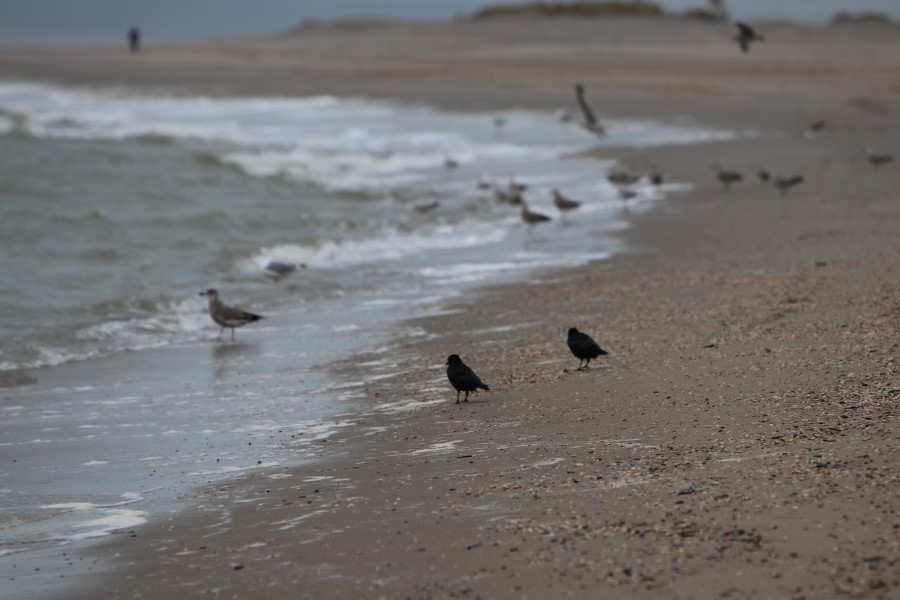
737 442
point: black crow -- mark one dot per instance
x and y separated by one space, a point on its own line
462 378
584 348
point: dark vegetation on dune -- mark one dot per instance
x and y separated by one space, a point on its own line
570 9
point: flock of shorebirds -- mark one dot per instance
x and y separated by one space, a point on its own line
583 347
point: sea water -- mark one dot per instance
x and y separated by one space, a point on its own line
117 209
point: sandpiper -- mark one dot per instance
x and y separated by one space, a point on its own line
763 174
876 160
533 218
815 128
622 176
783 184
590 120
726 178
746 35
507 196
563 203
227 316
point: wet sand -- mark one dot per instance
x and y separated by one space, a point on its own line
740 440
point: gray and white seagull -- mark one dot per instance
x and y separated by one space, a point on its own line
227 316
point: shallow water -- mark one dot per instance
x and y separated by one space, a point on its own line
117 209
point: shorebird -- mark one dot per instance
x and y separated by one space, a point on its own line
815 128
563 203
462 378
746 35
621 176
506 196
590 120
764 175
515 187
532 218
424 206
277 269
627 193
785 183
876 160
563 116
227 316
726 178
450 163
584 348
655 177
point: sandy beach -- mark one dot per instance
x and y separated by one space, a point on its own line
740 439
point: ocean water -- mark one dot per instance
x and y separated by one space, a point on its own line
117 208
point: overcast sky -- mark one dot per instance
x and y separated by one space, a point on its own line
42 22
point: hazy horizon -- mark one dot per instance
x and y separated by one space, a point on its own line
58 22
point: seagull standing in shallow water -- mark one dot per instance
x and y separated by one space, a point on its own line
533 218
227 316
563 203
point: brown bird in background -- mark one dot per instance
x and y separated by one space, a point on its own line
563 203
746 35
876 160
533 218
783 184
726 178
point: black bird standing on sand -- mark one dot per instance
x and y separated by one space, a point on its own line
746 35
584 348
726 178
763 174
590 120
227 316
462 378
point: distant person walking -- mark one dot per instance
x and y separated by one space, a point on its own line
134 39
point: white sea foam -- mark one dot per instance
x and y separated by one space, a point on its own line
387 246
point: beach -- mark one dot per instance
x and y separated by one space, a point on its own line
740 439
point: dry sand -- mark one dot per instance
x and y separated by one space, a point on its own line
739 442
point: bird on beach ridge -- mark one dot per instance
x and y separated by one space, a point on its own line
785 183
227 316
590 120
726 178
462 378
876 160
746 35
583 347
